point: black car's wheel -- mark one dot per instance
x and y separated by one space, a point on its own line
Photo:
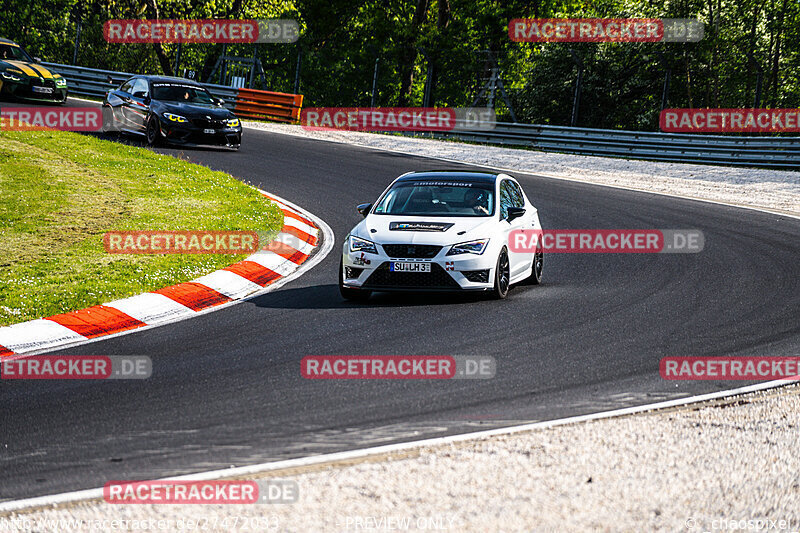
502 276
109 120
153 131
538 265
353 295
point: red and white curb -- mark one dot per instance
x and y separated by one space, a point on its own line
304 240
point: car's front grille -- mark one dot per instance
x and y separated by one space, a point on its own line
205 123
477 276
416 251
437 278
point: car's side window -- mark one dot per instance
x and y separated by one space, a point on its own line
140 86
506 198
519 199
126 87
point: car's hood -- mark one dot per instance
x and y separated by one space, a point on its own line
423 230
30 70
196 110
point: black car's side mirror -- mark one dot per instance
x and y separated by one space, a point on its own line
141 95
515 212
364 209
146 100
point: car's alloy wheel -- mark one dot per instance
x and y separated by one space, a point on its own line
538 266
502 276
353 295
152 131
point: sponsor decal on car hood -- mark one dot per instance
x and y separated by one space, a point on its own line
420 226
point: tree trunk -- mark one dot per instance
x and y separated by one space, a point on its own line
409 55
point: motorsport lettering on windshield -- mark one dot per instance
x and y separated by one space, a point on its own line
436 183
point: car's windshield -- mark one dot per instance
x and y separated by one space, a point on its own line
438 198
15 53
181 93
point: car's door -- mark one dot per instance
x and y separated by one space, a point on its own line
511 196
136 108
529 220
117 100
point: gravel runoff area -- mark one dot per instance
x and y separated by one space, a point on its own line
727 465
777 190
730 465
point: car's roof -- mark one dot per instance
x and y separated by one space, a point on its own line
450 175
169 79
7 41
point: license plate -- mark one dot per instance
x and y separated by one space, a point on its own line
397 266
43 90
209 130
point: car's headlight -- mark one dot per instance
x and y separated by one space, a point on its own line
61 82
174 118
9 76
362 245
471 247
232 122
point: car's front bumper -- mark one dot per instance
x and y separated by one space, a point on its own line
24 90
187 134
448 272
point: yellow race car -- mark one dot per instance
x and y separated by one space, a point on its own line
22 77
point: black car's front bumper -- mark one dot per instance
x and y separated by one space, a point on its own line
195 132
29 89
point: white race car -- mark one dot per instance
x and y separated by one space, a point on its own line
441 231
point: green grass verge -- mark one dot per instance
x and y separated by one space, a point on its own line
60 191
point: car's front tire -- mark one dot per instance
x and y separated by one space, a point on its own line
502 276
352 295
153 131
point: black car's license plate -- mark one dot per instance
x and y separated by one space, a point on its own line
406 266
209 130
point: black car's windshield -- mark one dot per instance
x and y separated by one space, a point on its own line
14 53
181 93
438 198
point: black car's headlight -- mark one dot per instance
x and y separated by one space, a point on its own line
362 245
471 247
232 123
174 118
9 76
61 83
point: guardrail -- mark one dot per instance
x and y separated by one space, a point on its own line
246 103
767 152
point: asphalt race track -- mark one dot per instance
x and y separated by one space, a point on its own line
226 386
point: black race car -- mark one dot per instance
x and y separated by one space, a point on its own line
171 110
22 77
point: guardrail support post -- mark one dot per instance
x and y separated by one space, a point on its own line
576 100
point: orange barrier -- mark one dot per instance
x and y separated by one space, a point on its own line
267 105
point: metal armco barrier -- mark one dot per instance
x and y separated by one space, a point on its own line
246 103
766 152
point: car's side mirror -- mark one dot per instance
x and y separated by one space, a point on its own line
364 209
515 212
146 100
141 95
219 101
37 59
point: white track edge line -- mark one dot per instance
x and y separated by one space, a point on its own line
97 493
